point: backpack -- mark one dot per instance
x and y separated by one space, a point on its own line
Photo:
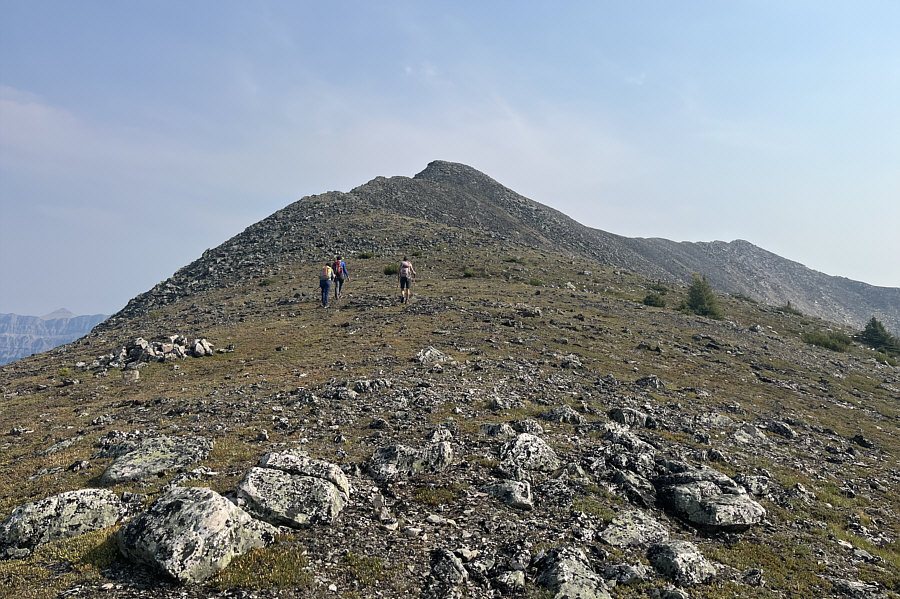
405 268
325 275
338 269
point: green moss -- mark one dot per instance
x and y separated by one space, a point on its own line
366 570
280 566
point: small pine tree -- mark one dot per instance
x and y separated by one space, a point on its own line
701 299
878 337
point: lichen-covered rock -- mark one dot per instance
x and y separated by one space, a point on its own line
447 575
529 452
297 462
566 572
628 417
58 517
681 562
290 500
564 414
707 498
156 455
399 461
516 494
430 355
633 528
191 533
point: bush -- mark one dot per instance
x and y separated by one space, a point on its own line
654 299
876 336
789 309
365 255
659 288
391 269
701 299
832 340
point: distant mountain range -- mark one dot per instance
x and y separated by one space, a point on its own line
21 336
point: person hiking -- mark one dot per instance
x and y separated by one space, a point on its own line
406 275
341 274
325 277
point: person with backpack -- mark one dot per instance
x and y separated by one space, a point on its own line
325 277
405 274
339 267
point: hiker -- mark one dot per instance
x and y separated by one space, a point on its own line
406 274
325 277
339 267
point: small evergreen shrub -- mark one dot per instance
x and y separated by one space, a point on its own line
655 299
877 337
391 269
365 255
659 288
832 340
701 299
789 309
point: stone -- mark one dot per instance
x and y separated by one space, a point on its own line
446 577
709 499
297 462
58 517
502 430
633 528
782 429
681 562
650 382
430 355
191 533
511 581
399 461
289 500
529 452
748 434
156 455
567 574
515 494
627 574
564 414
628 417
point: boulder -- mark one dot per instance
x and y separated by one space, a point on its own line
430 355
291 489
529 452
564 414
447 575
516 494
58 517
155 456
191 533
567 574
633 528
399 461
628 417
681 562
709 499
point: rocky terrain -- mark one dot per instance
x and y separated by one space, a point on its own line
525 427
22 336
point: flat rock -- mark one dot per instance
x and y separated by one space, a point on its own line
681 562
399 461
58 517
633 528
290 500
191 533
516 494
567 574
156 455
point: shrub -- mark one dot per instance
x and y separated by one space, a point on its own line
832 340
266 282
391 269
659 288
876 336
468 273
789 309
701 299
365 255
536 282
655 299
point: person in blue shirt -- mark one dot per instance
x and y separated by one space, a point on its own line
341 274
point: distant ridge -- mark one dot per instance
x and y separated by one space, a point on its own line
21 336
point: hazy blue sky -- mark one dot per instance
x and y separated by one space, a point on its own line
134 135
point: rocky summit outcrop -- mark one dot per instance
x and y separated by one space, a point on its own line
58 517
192 533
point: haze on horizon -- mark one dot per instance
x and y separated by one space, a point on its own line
135 136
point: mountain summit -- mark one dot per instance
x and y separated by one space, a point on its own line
459 196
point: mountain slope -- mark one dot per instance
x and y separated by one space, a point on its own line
524 417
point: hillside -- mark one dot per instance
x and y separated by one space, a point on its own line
22 336
525 424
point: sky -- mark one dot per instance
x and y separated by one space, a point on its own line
135 135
